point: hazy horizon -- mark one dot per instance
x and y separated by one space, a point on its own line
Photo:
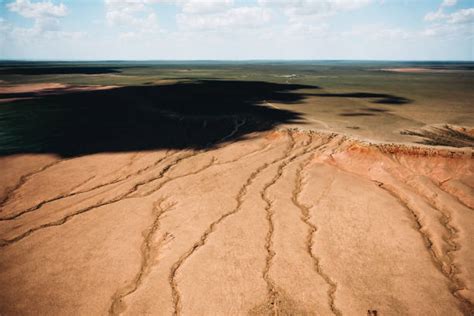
245 60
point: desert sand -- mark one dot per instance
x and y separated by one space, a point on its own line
35 90
302 219
287 222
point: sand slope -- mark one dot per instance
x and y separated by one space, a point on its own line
286 222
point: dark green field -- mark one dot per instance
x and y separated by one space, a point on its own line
357 98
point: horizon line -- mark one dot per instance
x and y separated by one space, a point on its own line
232 60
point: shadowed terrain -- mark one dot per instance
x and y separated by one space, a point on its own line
375 97
291 189
183 115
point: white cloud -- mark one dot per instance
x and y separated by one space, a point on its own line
122 18
436 15
37 10
234 29
136 16
458 23
204 7
391 34
303 30
127 6
457 17
5 30
315 7
379 32
46 16
132 6
461 16
241 17
446 30
309 18
448 3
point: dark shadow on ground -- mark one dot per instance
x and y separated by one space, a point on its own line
89 70
356 114
381 98
375 110
199 114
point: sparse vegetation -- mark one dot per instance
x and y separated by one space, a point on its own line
443 136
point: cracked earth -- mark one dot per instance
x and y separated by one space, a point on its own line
287 222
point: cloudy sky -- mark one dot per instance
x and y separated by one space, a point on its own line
237 29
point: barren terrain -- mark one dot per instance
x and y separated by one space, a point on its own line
283 222
419 70
236 189
42 89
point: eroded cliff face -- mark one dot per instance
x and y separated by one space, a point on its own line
288 222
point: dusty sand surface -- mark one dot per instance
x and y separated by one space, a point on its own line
30 87
286 222
33 90
420 70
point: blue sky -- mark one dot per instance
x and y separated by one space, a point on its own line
237 29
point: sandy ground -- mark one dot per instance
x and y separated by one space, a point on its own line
384 123
33 90
286 222
290 222
421 70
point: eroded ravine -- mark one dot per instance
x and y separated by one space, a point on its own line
320 177
239 200
312 229
150 251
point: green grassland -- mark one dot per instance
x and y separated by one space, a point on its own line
344 96
453 87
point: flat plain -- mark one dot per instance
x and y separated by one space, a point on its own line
232 188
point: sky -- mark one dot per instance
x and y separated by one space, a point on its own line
237 29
